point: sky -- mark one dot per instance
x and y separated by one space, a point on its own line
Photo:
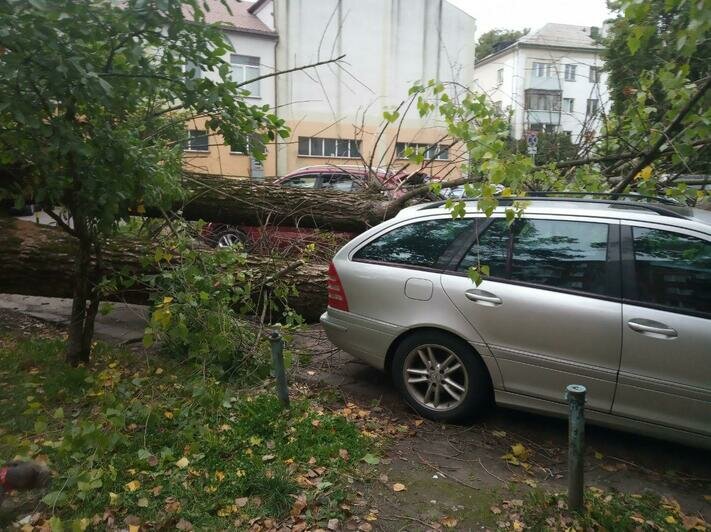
519 14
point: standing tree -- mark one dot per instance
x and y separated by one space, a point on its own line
490 40
94 96
658 58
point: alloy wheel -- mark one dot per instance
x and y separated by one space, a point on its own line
435 377
228 240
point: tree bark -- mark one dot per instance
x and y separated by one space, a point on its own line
243 202
38 260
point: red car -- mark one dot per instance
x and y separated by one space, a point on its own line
340 178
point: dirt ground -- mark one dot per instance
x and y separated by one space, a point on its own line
459 471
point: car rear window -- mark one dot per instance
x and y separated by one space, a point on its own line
672 270
417 244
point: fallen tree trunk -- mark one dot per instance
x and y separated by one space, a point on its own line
38 260
243 202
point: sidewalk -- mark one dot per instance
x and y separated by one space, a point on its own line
123 325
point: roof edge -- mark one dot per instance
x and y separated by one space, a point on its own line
256 6
508 49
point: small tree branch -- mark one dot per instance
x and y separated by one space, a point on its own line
651 154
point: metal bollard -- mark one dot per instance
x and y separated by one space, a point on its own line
278 365
576 445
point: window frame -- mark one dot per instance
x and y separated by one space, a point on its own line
613 282
572 70
243 65
499 76
188 141
442 150
351 144
595 74
594 111
570 108
629 276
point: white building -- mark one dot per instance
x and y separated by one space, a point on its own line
334 111
551 80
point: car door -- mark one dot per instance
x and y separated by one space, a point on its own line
550 308
665 373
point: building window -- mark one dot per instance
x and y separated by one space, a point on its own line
550 128
192 71
500 76
323 147
542 70
595 74
568 134
244 68
540 100
592 106
568 105
245 147
570 72
197 140
439 152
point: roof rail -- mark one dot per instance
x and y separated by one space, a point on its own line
663 206
611 195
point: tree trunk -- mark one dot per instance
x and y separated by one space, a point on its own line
243 202
39 260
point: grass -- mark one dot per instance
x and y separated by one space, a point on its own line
604 510
144 438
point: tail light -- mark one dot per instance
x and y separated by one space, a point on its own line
336 294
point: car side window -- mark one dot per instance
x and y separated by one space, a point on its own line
672 269
301 181
340 182
415 244
490 249
560 254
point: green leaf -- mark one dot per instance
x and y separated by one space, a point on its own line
371 459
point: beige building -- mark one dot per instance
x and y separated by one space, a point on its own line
335 111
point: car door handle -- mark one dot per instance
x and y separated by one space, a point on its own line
482 296
652 328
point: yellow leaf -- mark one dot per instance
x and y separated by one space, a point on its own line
219 476
159 371
520 451
168 414
499 433
517 526
133 485
182 463
133 528
167 299
598 456
670 519
449 521
399 487
113 497
645 173
141 209
142 502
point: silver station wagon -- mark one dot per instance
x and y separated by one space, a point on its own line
613 295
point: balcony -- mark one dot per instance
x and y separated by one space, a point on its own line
542 117
543 106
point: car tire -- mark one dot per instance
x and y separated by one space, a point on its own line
228 237
433 389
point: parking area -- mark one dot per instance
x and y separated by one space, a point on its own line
467 470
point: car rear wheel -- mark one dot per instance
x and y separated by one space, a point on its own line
441 376
228 238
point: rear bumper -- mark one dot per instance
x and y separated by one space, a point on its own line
363 338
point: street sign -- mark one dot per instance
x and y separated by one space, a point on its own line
532 138
532 149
